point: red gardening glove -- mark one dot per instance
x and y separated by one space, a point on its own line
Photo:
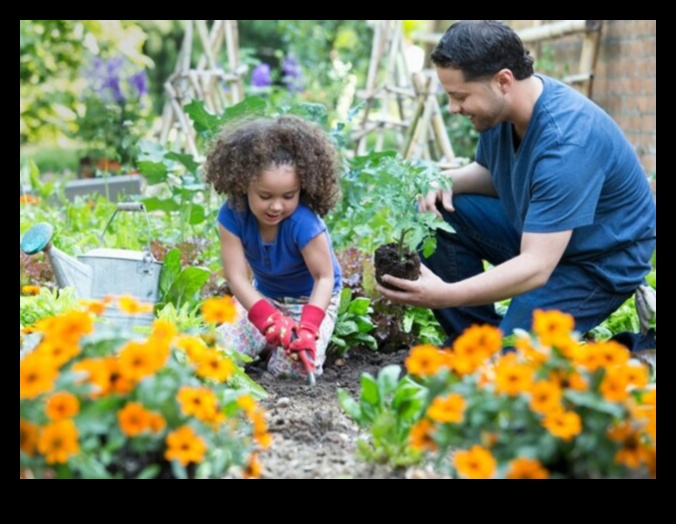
277 328
307 332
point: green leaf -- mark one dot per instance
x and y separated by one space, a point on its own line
171 268
346 327
188 161
149 473
154 172
369 390
360 306
197 214
188 284
388 378
155 204
349 405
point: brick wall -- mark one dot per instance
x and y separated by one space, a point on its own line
625 83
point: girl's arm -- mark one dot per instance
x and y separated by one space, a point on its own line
235 269
317 256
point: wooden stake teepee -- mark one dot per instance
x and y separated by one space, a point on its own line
208 80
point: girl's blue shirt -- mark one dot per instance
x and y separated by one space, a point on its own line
278 267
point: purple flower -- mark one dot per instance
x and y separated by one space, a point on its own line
292 74
260 76
139 81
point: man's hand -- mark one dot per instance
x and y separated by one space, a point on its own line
428 203
423 292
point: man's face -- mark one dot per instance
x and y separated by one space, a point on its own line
479 100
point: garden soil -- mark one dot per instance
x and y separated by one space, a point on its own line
312 437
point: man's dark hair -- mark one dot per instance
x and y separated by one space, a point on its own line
481 48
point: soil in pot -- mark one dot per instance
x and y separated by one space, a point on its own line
387 262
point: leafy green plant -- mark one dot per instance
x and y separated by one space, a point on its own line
46 303
388 407
422 323
378 205
180 286
353 324
100 401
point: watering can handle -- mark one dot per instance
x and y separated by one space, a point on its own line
128 206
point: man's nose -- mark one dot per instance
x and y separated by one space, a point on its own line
454 108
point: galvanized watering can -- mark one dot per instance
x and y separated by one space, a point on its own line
103 272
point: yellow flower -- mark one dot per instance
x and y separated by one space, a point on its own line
446 410
28 200
28 437
62 405
563 424
194 347
59 351
95 307
552 326
213 365
477 463
422 436
185 446
247 404
219 310
253 468
424 361
132 306
30 290
164 332
134 419
69 327
526 469
58 441
512 378
612 354
198 402
546 397
37 374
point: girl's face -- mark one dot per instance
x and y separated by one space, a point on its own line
274 196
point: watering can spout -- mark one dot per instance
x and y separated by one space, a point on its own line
69 271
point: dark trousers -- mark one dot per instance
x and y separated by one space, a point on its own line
483 232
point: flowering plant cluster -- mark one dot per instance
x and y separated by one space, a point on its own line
556 407
116 109
291 75
100 401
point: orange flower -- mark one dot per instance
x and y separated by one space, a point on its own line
634 454
612 354
194 347
422 436
164 332
424 361
136 361
477 463
513 378
447 410
481 342
546 397
563 424
134 419
28 200
59 351
615 386
58 441
95 307
527 469
62 405
28 437
185 446
30 290
37 374
68 328
198 402
253 468
247 404
132 306
219 310
213 365
552 326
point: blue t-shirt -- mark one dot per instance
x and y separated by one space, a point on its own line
575 169
278 267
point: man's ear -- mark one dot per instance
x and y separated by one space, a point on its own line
504 80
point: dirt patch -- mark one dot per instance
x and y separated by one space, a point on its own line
313 438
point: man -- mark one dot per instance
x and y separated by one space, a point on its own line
556 200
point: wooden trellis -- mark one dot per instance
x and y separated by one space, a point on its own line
218 85
398 104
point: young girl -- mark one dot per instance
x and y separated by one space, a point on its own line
280 176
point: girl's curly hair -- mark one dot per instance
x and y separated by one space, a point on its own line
242 150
